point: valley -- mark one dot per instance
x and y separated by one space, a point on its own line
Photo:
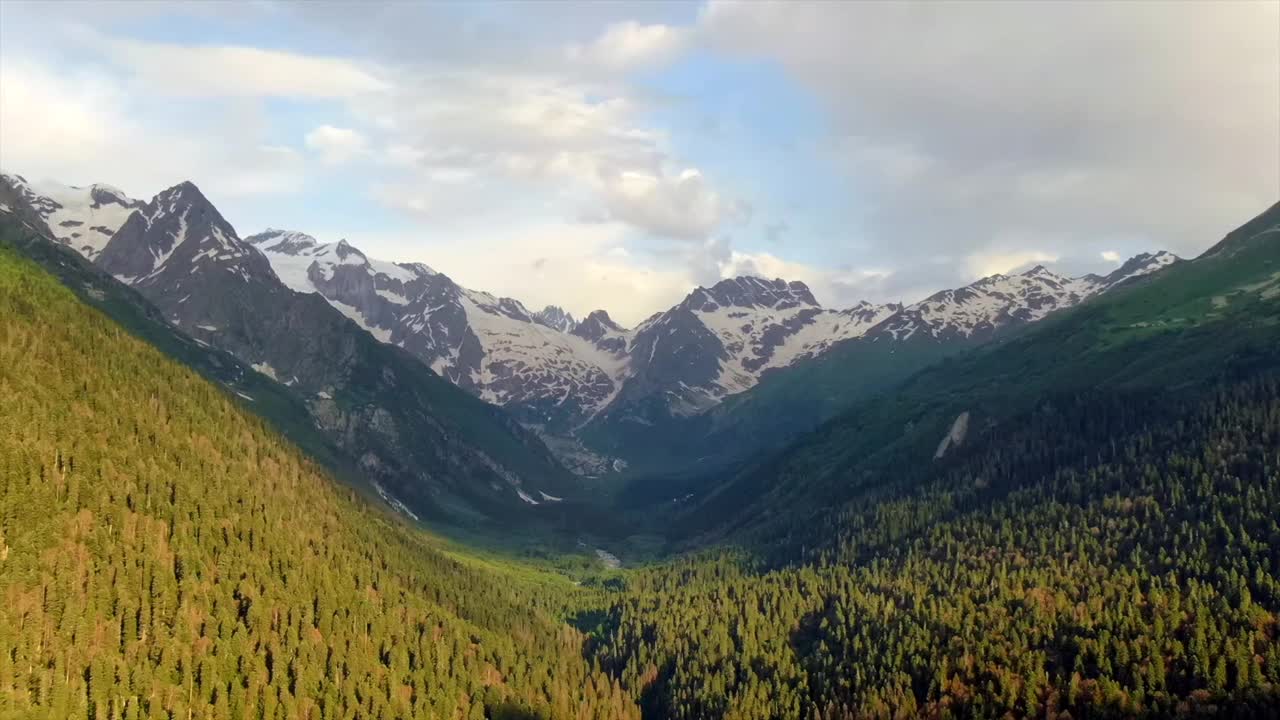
681 360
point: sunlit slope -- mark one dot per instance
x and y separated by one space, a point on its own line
164 554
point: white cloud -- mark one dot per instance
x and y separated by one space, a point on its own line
629 45
230 71
682 207
580 144
1110 256
982 264
336 145
87 126
543 262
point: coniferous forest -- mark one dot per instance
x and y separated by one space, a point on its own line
1099 549
164 555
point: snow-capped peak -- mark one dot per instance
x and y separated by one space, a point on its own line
1139 265
178 232
751 292
83 218
978 309
287 242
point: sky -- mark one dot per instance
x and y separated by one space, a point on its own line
616 155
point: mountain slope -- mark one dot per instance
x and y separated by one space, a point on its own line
445 454
165 555
83 218
1204 320
493 347
270 400
878 348
642 393
1102 554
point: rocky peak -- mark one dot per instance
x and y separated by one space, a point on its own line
1142 264
555 318
750 292
596 321
178 217
601 330
347 252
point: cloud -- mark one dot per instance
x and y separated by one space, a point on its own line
629 45
88 126
542 262
336 145
682 207
996 263
1072 127
232 71
1110 256
448 125
584 145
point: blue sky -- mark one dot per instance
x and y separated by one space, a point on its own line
617 154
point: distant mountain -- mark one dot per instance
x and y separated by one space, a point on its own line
631 393
1192 325
982 308
744 362
826 360
83 218
555 318
494 347
557 374
431 445
721 340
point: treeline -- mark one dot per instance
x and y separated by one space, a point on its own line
164 555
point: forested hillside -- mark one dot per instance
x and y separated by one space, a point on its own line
163 554
1112 556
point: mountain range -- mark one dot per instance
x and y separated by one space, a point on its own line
426 443
600 395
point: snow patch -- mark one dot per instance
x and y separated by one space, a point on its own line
954 437
395 502
267 370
